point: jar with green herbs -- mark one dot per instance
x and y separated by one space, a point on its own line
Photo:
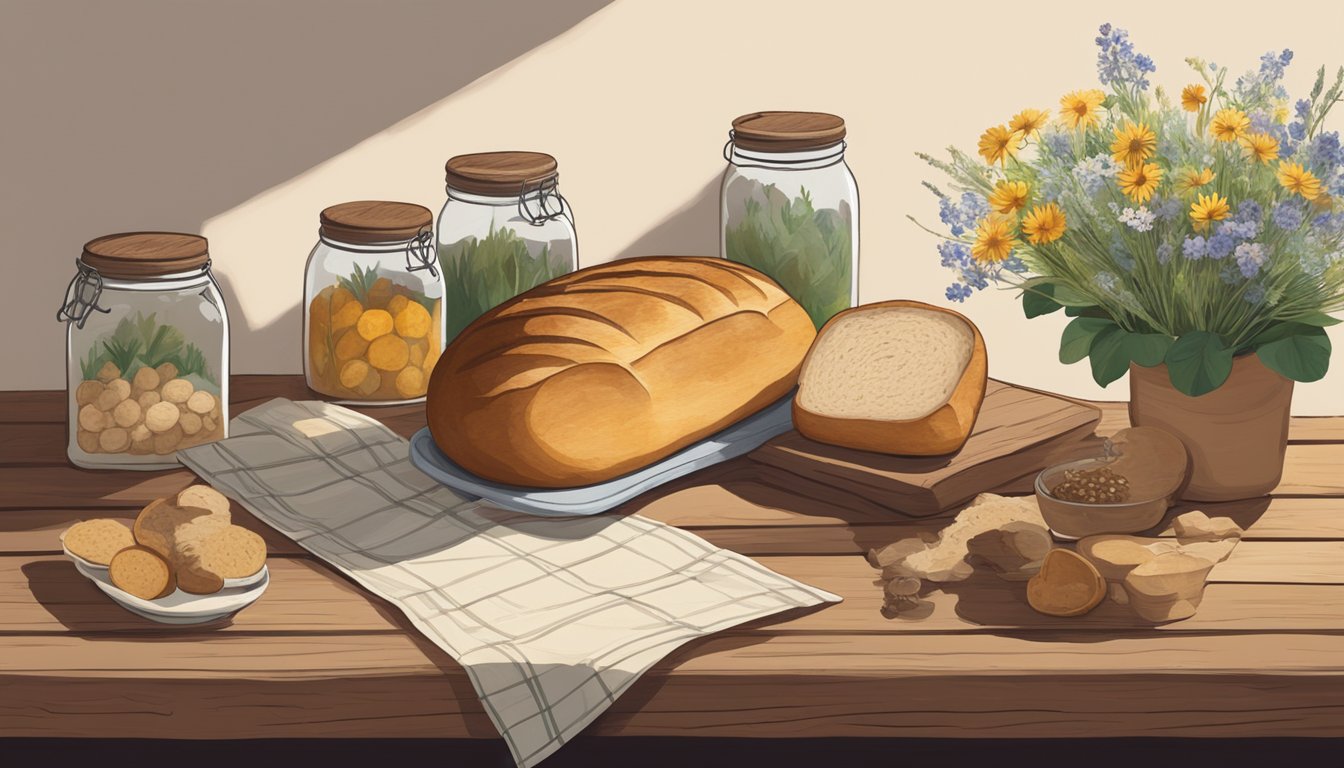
789 207
504 229
147 346
373 328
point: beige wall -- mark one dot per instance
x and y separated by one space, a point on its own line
635 101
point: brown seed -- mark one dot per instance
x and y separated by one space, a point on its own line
145 379
127 413
88 391
91 418
87 441
114 439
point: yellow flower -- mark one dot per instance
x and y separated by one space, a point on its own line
1208 209
1044 224
1028 121
1298 180
1139 181
1260 146
1281 114
1192 97
1229 124
994 240
997 144
1189 180
1133 144
1079 108
1009 196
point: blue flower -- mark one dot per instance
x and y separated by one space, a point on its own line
1058 144
1195 248
958 292
1169 208
1250 258
1117 63
1302 108
1221 245
1297 130
1255 294
1164 253
1107 282
962 217
1289 214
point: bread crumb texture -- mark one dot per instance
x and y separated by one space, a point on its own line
887 364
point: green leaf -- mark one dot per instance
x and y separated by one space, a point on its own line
1147 349
1301 356
1086 311
1039 300
1198 363
1318 319
1109 355
1076 342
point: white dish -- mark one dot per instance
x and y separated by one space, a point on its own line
181 607
736 440
245 581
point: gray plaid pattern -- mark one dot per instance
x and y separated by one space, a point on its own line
552 619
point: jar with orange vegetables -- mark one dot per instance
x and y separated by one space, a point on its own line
373 325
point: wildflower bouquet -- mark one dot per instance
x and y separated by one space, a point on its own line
1179 231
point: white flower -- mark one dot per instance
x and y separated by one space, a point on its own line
1140 220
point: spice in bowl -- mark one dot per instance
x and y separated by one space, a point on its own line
1092 486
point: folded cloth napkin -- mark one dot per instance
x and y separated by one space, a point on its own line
552 619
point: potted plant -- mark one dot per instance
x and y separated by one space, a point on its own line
1197 241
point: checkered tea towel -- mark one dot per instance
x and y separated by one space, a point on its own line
551 618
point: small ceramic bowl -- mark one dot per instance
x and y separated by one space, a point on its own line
181 607
1071 520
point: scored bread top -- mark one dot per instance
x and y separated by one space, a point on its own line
616 313
885 363
605 370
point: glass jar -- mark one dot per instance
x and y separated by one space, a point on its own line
373 328
147 351
789 207
503 230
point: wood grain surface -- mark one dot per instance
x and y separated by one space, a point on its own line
319 657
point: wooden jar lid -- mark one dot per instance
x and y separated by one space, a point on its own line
787 131
131 255
374 221
501 174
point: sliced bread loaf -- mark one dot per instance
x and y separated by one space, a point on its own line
898 377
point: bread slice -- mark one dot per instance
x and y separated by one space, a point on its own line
97 540
141 572
898 377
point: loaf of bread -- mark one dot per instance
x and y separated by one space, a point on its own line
608 369
97 540
898 377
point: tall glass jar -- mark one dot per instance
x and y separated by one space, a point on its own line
373 328
789 207
504 229
147 351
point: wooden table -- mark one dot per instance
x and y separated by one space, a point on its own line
317 657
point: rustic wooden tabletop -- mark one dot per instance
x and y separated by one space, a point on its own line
317 657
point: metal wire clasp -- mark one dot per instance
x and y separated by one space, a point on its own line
546 195
420 253
81 296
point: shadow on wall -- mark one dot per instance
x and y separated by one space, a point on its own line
148 114
692 230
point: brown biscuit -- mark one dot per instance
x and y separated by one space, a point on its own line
232 553
141 572
97 540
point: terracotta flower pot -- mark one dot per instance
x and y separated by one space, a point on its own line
1237 434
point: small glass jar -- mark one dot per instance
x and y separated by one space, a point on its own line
373 328
147 349
789 207
503 230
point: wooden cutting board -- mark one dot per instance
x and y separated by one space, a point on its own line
1019 433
